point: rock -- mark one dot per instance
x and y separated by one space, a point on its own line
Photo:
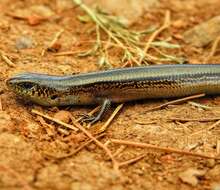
130 10
190 176
210 163
24 42
204 33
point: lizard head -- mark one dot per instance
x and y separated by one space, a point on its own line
33 87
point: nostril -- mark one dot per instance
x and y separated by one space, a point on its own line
9 82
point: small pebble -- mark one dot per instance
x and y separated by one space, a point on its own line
24 42
210 163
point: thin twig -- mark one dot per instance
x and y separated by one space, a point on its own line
1 107
16 175
170 150
128 41
101 145
99 22
56 37
6 59
87 133
207 129
32 19
114 44
218 147
85 144
213 126
54 120
132 161
200 105
178 101
165 25
76 150
53 42
213 50
194 146
194 119
119 150
104 127
144 122
49 128
67 53
63 131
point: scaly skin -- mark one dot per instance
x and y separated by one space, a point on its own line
119 85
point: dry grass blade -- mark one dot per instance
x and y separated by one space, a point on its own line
56 37
66 53
213 50
132 161
1 107
218 147
195 104
119 150
104 127
168 150
193 119
53 42
178 101
6 59
165 25
133 51
207 129
85 144
214 125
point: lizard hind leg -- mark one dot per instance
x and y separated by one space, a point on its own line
106 104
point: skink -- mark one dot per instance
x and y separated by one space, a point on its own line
118 85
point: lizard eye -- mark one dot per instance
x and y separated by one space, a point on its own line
27 85
53 97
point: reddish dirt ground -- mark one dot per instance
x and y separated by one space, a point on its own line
29 150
